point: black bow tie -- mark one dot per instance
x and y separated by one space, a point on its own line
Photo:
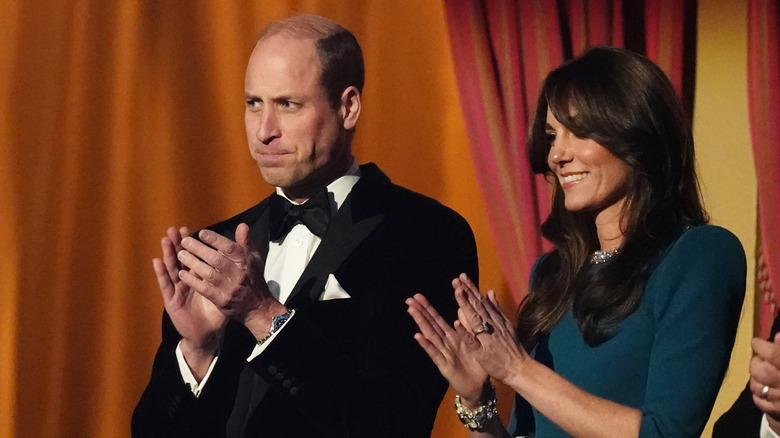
314 213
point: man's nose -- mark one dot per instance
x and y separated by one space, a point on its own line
268 127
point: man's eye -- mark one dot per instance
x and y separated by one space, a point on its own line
251 103
286 104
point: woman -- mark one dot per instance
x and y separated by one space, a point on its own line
630 320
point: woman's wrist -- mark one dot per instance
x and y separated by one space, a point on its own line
475 399
475 416
521 372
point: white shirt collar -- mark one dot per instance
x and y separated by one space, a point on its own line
339 189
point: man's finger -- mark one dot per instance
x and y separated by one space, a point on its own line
163 280
201 268
175 236
169 256
204 288
242 236
766 350
229 267
763 372
232 251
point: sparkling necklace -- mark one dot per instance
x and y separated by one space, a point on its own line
599 257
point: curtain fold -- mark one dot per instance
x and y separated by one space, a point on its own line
119 119
9 255
502 50
492 67
763 83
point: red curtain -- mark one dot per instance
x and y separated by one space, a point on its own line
764 112
502 51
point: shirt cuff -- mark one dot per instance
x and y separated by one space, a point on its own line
260 347
186 374
766 431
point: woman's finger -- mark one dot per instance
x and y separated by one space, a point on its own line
431 350
442 327
467 313
497 317
426 324
468 338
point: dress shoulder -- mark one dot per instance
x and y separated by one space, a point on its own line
705 245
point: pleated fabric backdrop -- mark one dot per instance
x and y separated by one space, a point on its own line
763 83
503 49
121 118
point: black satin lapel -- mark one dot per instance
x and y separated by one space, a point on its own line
356 219
343 236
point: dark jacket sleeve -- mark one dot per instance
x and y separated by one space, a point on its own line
168 407
743 418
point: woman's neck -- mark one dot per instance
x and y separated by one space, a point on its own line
608 228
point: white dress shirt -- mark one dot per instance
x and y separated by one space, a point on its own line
286 260
766 431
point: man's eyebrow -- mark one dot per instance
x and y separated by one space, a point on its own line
280 98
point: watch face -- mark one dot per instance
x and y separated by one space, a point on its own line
278 321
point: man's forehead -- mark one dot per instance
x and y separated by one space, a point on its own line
283 41
283 66
290 51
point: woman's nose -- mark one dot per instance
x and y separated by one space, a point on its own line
560 152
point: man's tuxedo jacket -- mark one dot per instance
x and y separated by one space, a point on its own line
339 368
743 419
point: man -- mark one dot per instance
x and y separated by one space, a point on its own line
756 412
300 332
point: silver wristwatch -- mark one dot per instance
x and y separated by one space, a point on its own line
276 323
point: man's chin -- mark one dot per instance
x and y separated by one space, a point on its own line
277 177
292 187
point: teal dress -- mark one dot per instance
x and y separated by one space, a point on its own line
668 358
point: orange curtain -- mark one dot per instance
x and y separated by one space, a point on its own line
764 111
9 256
502 50
121 118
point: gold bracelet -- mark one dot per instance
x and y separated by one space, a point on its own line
477 419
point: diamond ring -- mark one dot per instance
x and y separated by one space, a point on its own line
484 328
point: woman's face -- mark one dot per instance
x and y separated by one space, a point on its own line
592 178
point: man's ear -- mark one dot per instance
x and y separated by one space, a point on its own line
350 107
